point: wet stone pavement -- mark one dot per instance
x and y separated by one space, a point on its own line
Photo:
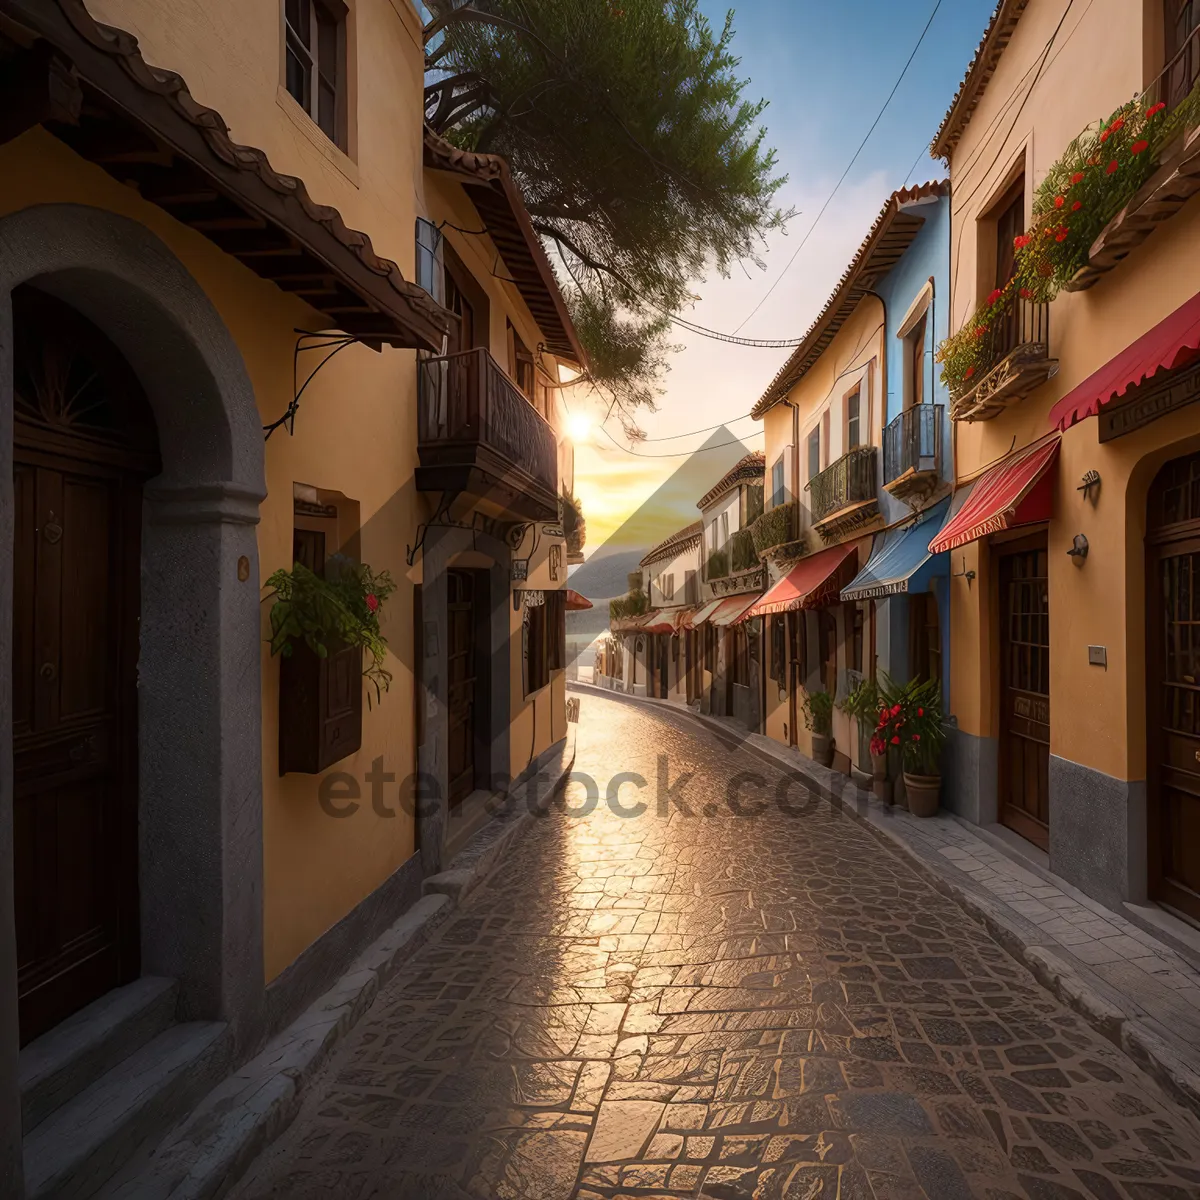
724 1006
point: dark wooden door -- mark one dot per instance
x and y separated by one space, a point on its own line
796 633
82 446
1173 685
1025 690
461 666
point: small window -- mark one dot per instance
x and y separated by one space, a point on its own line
430 268
1182 44
520 362
916 364
545 640
1010 223
814 453
853 420
668 587
725 528
777 495
314 48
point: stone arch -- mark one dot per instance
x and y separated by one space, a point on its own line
200 742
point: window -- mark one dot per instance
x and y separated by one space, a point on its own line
777 484
430 268
916 364
1010 223
520 362
725 528
545 640
924 637
712 536
853 420
778 647
1182 44
814 453
315 53
691 588
668 587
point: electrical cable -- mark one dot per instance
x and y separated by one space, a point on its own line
849 166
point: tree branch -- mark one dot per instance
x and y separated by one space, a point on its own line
588 261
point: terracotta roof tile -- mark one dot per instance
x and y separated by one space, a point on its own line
676 542
752 465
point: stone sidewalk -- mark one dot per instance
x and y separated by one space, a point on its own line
1131 986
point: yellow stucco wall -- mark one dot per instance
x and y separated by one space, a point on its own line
1097 715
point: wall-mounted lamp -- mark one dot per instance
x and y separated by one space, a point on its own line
1090 486
964 573
1079 549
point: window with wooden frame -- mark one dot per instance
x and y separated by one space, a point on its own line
914 351
1181 44
924 637
854 421
777 482
520 362
315 62
1009 215
464 297
814 453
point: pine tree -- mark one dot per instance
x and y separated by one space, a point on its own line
624 126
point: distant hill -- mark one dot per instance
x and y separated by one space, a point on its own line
605 575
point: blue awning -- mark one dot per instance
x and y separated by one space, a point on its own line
900 561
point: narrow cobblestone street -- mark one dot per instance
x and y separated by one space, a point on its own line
725 1006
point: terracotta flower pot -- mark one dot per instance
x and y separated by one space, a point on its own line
882 789
879 765
823 748
924 792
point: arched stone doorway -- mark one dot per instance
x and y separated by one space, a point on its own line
198 752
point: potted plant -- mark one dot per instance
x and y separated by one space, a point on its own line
913 726
888 695
861 704
818 717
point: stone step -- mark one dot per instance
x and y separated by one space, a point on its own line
74 1151
72 1056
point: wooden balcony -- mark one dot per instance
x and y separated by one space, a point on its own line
843 496
1016 360
480 437
912 452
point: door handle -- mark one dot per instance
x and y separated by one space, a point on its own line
49 672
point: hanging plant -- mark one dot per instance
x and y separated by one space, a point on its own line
1094 178
332 613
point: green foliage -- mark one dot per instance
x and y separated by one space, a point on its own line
574 526
742 554
911 721
818 712
862 702
772 528
1094 178
625 127
632 605
718 564
754 503
329 614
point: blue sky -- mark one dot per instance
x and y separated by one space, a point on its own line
825 70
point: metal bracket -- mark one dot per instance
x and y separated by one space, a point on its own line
334 343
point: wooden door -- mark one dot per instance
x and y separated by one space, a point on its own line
796 633
1173 686
1025 690
83 443
461 676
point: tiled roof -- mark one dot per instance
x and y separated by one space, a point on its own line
498 201
671 546
983 66
122 91
890 236
751 467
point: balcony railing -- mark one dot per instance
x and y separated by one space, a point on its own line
470 414
849 481
912 449
1014 359
776 527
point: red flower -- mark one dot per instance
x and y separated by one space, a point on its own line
1077 206
1112 167
896 741
1021 241
1026 294
372 601
1155 109
1138 146
1119 123
1059 201
920 712
1077 178
916 737
995 296
1062 235
979 331
895 710
970 372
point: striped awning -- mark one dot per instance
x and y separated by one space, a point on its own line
1016 491
813 582
901 561
698 616
734 609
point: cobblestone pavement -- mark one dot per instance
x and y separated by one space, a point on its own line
722 1006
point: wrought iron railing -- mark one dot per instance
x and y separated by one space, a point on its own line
913 441
1023 323
467 398
850 480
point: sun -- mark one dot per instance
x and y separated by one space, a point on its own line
579 427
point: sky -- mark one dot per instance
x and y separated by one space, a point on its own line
825 69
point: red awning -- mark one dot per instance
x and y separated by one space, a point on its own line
813 582
666 621
733 609
698 616
1171 344
576 602
1016 491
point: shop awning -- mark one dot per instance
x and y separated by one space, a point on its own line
901 562
1016 491
576 602
734 609
812 583
663 620
703 613
1172 343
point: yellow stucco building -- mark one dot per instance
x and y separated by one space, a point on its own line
208 374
